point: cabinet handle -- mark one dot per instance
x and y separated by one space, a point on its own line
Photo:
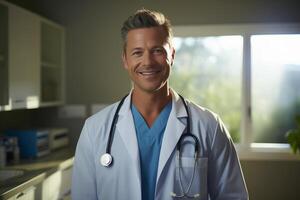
20 195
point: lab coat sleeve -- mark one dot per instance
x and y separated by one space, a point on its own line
83 177
226 181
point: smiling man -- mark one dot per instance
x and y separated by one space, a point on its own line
154 144
148 58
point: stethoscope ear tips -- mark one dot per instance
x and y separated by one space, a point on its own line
106 160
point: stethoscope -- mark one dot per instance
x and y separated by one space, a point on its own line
107 159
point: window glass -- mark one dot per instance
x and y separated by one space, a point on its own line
275 86
207 70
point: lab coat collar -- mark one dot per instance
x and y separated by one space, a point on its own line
125 109
173 132
126 129
177 104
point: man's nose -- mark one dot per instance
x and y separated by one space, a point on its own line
148 58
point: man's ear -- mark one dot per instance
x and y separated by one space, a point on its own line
124 61
173 55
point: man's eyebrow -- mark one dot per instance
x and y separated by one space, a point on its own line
140 48
136 49
157 46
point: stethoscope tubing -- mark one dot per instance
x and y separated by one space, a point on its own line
113 124
107 159
178 146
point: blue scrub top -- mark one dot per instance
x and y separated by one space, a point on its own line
149 141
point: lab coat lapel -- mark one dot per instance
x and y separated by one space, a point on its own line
173 131
125 127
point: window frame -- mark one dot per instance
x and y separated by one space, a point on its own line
246 149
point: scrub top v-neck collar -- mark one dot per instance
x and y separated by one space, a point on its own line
149 143
159 123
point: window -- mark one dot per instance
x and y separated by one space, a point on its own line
248 74
275 85
207 70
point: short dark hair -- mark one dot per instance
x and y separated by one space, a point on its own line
144 18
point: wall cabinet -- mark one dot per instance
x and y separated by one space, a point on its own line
3 55
24 54
52 63
35 60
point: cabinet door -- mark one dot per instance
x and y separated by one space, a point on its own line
52 63
51 186
24 55
3 55
66 180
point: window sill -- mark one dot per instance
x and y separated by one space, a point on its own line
267 152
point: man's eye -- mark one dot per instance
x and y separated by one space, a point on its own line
158 51
136 53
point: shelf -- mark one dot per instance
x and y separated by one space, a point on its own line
50 65
52 103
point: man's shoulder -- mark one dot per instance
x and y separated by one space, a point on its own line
103 115
206 119
200 113
204 113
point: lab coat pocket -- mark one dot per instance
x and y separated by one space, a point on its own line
191 179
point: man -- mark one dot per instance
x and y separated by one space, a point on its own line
154 144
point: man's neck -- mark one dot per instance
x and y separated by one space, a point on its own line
151 104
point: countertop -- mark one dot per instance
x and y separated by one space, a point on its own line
35 171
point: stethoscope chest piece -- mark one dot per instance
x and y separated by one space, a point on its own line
106 160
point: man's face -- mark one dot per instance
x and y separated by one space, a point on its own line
148 58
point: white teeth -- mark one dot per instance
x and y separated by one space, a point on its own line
148 72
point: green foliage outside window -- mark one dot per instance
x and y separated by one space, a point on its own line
208 73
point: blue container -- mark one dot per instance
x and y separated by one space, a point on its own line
32 143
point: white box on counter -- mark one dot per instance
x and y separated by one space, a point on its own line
58 138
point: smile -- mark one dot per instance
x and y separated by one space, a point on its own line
149 73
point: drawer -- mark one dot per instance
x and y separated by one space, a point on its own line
27 194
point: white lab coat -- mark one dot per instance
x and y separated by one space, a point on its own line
218 174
